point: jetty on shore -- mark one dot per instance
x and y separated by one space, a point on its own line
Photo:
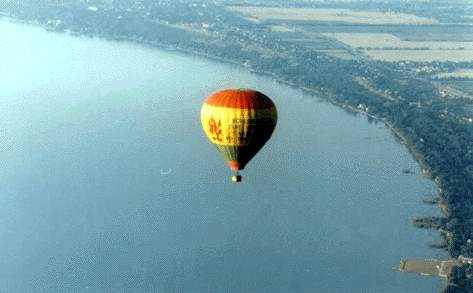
433 267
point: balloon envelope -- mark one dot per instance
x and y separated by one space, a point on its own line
238 122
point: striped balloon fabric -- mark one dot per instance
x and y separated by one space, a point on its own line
238 122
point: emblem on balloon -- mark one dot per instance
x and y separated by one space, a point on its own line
215 128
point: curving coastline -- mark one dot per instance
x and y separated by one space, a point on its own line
438 140
324 95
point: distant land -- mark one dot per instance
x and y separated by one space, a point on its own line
406 63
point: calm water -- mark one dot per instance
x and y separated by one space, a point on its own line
107 182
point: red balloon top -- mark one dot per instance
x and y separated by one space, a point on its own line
240 99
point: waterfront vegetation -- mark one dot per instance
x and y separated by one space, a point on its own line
435 125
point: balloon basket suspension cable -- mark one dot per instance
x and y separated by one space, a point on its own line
236 177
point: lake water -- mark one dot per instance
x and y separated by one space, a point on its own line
108 183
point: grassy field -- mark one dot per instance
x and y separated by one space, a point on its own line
385 40
461 73
435 35
337 53
465 86
388 47
282 29
314 41
421 55
332 15
384 36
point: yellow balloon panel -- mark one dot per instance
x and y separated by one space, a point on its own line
234 126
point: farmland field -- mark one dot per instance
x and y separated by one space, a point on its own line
421 55
281 28
403 32
384 36
332 15
337 53
465 86
435 35
461 73
385 40
313 41
388 47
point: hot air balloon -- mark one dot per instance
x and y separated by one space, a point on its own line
238 122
